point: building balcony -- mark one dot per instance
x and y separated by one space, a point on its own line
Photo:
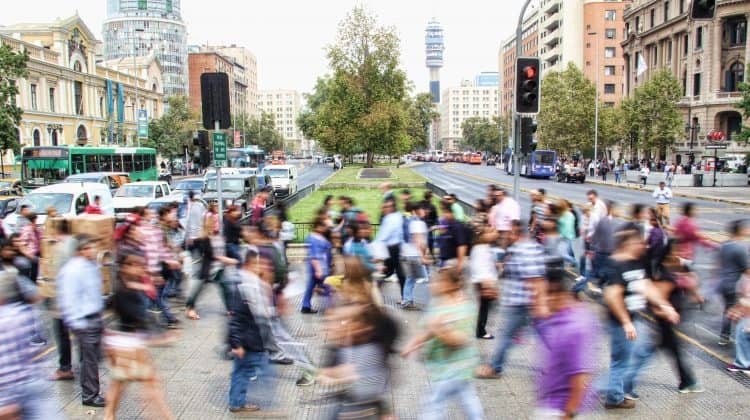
551 6
551 23
552 39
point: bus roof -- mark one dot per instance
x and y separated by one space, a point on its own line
96 150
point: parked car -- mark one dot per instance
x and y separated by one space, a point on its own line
68 199
138 194
113 180
10 186
8 204
235 189
572 175
189 184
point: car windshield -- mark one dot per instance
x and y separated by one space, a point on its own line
227 185
276 173
189 185
135 191
40 202
81 179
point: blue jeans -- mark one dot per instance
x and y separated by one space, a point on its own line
742 344
621 349
413 269
617 177
435 406
514 319
161 304
597 264
242 369
312 282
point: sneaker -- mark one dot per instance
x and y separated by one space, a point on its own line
632 396
247 408
282 361
723 341
305 380
37 342
408 306
691 389
624 404
734 368
422 280
309 311
173 325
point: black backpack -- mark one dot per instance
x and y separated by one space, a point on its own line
577 223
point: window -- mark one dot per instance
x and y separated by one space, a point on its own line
666 11
610 33
610 15
609 52
609 70
51 99
733 77
33 97
682 6
685 44
127 163
92 163
655 56
652 17
696 84
609 104
78 95
735 32
105 162
609 88
77 164
37 138
698 37
626 31
169 6
669 51
637 24
142 4
54 137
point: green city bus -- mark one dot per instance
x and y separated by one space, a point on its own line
45 165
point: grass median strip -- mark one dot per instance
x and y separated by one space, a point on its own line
350 175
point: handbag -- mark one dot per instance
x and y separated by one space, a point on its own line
128 356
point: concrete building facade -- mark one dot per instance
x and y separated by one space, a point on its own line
245 75
70 99
200 62
461 103
285 106
604 31
560 34
143 27
707 57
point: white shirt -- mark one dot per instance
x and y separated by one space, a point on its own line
662 196
417 232
482 263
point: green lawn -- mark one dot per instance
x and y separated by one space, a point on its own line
366 199
349 175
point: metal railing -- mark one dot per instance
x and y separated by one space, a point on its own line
440 192
288 201
301 230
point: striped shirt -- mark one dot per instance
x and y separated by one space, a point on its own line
17 365
524 260
154 247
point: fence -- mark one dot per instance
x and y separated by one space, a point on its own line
301 230
438 191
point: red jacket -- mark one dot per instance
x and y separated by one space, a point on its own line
93 209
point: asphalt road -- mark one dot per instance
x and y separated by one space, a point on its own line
701 324
311 173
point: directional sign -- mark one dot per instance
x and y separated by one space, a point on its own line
220 147
142 124
716 146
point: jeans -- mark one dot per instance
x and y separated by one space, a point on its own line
312 282
34 402
413 269
514 319
89 345
597 263
484 310
435 406
233 251
742 343
62 337
730 299
221 281
161 304
617 177
393 265
621 349
644 348
242 369
567 253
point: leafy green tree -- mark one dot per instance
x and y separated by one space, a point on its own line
482 135
421 112
566 115
173 131
653 115
744 106
612 128
12 67
363 105
261 131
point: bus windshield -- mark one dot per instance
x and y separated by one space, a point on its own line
276 172
41 202
44 171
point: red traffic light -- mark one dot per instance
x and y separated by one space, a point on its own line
529 72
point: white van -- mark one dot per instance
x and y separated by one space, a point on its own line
69 199
283 179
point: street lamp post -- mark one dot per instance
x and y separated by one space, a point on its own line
692 128
137 106
596 99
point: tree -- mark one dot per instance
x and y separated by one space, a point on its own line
612 126
482 134
173 131
261 131
363 105
566 117
744 106
12 67
420 114
653 115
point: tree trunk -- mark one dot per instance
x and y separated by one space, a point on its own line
369 156
2 164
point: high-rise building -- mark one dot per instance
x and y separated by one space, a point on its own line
68 98
285 106
139 27
560 34
246 71
604 30
434 47
461 103
708 58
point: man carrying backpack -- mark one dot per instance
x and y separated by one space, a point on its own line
455 239
414 251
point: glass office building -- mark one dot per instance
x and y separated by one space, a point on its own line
140 27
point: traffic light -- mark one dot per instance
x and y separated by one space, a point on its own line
200 139
702 9
528 128
527 85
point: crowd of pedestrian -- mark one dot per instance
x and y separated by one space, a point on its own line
495 258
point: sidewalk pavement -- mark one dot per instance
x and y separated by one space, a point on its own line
196 379
729 195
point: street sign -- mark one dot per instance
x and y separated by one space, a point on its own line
142 124
220 148
236 139
716 146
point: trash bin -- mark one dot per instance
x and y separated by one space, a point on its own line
697 180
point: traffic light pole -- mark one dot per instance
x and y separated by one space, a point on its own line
217 128
516 126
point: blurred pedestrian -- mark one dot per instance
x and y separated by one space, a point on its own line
318 263
414 256
484 277
732 265
450 352
79 297
502 215
431 218
95 207
455 239
663 196
31 236
391 234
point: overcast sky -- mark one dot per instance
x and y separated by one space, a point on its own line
288 36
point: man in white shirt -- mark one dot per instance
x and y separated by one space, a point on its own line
413 252
503 214
663 196
645 171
